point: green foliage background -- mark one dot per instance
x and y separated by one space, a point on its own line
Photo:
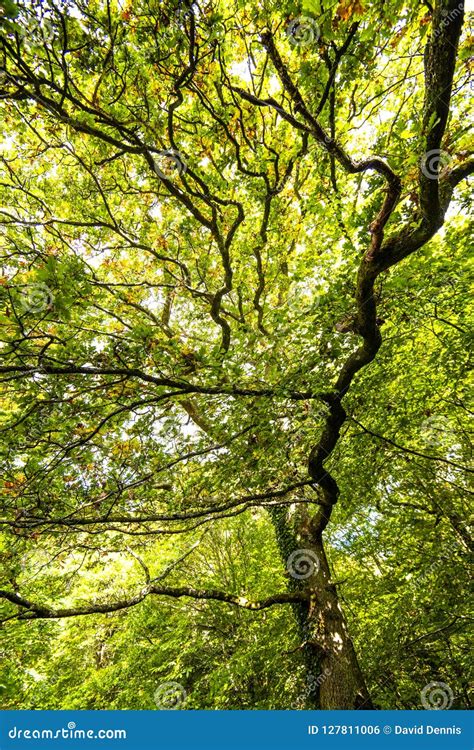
95 227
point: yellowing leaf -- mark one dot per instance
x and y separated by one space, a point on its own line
349 8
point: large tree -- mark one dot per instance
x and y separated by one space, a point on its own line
208 210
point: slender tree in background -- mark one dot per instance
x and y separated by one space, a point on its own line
209 213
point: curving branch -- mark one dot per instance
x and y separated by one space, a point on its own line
34 611
72 520
440 58
411 451
182 386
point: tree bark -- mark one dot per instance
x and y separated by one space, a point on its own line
341 683
334 677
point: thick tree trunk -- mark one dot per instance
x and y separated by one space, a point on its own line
334 677
328 643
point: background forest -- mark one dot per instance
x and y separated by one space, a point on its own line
236 433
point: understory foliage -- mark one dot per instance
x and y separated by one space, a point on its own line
181 248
